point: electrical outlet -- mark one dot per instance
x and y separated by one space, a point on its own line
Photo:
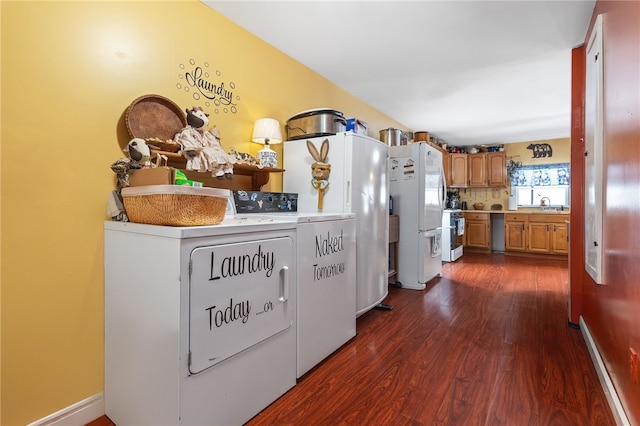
635 368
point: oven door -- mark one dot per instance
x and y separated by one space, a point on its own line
458 231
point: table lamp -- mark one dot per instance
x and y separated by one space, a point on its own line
267 131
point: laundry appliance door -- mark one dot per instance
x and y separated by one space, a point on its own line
238 298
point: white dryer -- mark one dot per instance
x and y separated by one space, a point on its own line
199 321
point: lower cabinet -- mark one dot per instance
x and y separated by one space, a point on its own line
536 233
515 232
478 230
560 238
548 234
540 233
539 241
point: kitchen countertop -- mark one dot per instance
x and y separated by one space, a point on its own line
521 211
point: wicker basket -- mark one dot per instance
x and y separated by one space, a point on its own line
175 205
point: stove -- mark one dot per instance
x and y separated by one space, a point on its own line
452 233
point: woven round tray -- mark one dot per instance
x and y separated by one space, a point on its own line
155 117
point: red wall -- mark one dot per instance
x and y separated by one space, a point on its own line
576 233
612 311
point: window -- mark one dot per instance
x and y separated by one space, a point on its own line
532 183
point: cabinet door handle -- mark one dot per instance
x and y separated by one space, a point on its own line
547 228
554 228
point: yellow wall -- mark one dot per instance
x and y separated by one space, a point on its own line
518 152
69 71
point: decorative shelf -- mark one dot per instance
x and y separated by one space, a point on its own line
245 176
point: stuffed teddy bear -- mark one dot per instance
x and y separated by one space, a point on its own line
139 152
139 158
202 148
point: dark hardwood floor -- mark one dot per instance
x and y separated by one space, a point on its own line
486 344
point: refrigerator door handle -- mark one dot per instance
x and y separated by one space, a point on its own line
347 194
443 188
284 284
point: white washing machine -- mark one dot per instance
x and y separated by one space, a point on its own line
199 321
326 278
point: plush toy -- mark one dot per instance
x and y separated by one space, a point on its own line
243 157
139 152
320 169
202 148
139 158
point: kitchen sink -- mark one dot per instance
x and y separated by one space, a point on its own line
554 210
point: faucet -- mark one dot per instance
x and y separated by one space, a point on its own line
544 203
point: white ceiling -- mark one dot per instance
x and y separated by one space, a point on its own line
469 72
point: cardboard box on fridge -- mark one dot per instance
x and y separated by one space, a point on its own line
357 126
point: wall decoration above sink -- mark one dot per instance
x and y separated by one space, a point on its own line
541 150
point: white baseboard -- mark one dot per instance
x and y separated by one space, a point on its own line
80 413
605 380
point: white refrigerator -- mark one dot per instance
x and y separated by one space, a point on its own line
418 189
357 183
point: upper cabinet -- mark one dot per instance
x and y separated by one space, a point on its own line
486 169
497 169
477 170
458 177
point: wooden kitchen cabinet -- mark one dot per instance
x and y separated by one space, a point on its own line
477 169
559 240
539 238
496 169
536 233
478 230
457 171
547 234
487 169
515 232
446 168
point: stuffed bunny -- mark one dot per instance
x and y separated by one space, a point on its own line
320 169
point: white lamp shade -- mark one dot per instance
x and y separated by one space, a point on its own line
266 131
